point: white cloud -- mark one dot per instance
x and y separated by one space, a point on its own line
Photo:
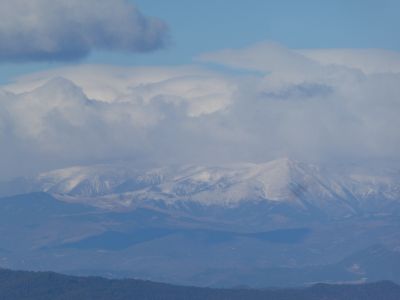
275 58
55 119
264 57
69 30
368 61
305 109
200 90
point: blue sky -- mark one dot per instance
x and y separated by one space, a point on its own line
212 24
202 26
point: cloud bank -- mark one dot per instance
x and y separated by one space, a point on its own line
295 105
35 30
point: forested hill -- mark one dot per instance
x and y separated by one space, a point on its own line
19 285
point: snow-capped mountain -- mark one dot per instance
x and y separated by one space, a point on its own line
275 217
301 186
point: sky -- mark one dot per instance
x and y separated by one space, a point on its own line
202 26
211 81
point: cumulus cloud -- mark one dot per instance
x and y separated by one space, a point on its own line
34 30
308 110
51 120
201 90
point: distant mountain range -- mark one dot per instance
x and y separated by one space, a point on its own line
18 285
300 187
282 223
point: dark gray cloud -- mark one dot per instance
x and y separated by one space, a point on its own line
35 30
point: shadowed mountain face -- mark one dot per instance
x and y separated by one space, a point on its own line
283 223
29 285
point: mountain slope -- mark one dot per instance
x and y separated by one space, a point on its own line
224 248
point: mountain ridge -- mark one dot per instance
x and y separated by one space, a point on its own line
304 187
48 285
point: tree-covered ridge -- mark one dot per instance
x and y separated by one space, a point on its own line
20 285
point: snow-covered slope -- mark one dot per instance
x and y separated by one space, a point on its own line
280 180
304 187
